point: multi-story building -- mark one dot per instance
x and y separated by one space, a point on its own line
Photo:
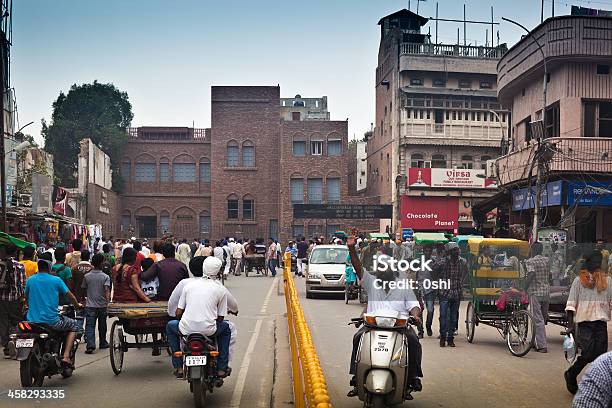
576 148
436 111
240 177
298 108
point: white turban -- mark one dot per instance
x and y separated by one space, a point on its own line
211 266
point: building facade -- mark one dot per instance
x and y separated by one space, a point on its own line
436 108
576 134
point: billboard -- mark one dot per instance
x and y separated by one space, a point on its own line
449 178
342 211
430 213
524 198
589 194
41 193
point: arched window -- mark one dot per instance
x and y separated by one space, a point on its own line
164 222
204 170
248 154
144 169
232 154
334 145
467 162
248 208
232 207
297 190
164 170
333 190
416 160
184 169
204 222
126 221
438 161
126 170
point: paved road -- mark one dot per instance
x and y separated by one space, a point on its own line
148 381
483 374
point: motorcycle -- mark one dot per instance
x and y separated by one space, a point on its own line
40 350
382 360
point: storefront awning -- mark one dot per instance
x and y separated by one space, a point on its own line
481 208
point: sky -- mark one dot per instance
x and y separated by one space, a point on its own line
167 54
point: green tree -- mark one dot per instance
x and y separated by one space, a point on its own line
100 112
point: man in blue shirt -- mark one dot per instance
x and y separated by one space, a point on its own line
595 389
42 297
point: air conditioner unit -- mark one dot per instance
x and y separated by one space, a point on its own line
491 169
25 200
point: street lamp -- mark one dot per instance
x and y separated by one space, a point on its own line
536 205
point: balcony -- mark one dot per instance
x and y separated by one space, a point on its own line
168 134
450 58
568 155
451 135
452 50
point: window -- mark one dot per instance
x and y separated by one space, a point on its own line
205 171
483 161
144 172
299 148
527 125
232 154
297 190
184 172
273 229
297 231
333 190
597 119
164 172
467 162
603 69
416 160
315 191
126 170
439 82
316 147
464 83
485 85
438 161
126 220
334 147
439 116
248 209
315 230
204 223
164 222
248 154
416 82
232 208
552 119
332 229
295 116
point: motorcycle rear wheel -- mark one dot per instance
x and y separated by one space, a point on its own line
30 372
199 393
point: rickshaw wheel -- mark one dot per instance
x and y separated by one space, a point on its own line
470 322
520 333
116 347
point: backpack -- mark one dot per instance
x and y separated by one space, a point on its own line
7 272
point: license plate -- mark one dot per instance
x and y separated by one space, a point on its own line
191 361
20 343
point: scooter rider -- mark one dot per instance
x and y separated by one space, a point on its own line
387 297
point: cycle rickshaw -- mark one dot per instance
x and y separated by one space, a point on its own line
496 283
139 320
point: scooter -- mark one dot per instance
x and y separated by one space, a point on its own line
382 360
40 350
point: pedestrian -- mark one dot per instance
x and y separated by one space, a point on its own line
452 268
145 249
78 274
595 389
31 267
538 288
205 249
588 307
96 286
169 271
63 271
137 245
126 287
302 254
73 258
238 254
183 252
195 244
109 257
271 257
427 294
605 254
12 290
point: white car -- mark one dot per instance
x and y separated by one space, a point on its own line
325 272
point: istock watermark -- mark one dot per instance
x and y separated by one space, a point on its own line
388 263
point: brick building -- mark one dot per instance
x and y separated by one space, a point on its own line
240 177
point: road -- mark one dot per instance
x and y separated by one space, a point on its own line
148 381
482 374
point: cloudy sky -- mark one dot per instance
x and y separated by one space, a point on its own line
167 54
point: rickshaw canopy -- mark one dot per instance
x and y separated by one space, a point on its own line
378 235
476 243
424 238
6 239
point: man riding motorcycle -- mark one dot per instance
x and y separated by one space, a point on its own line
385 296
43 291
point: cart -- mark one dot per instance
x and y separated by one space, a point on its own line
556 307
138 320
255 261
496 289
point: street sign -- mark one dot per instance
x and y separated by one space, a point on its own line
342 211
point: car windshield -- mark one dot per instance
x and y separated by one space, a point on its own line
328 256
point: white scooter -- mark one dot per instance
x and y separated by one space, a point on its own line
382 360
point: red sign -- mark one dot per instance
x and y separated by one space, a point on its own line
449 178
430 213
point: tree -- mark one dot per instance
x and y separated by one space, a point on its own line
100 112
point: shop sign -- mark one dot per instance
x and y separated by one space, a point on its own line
41 193
429 213
592 193
449 178
465 210
524 198
342 211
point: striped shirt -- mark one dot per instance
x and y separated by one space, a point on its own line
12 283
595 389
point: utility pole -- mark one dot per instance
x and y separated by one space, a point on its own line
2 153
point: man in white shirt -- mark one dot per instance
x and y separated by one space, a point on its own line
145 249
237 254
385 297
201 308
209 269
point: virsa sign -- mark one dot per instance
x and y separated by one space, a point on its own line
449 178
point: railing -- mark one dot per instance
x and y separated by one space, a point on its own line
164 134
466 51
309 385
